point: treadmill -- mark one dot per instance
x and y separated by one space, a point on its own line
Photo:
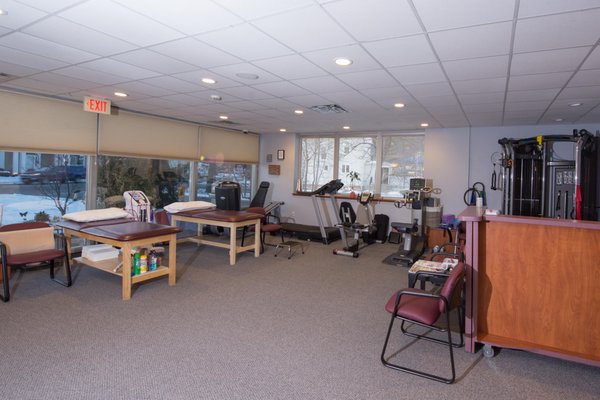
318 232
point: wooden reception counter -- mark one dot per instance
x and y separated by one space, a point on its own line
533 284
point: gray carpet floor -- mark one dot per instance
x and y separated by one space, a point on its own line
311 327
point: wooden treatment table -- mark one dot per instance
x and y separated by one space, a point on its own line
226 219
126 235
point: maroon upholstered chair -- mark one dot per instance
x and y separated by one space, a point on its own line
265 226
29 243
424 308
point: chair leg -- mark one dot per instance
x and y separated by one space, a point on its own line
5 283
67 273
413 371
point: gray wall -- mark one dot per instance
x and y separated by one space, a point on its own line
454 159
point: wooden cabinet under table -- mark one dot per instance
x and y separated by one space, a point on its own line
534 286
161 234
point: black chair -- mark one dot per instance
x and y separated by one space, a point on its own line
422 308
265 226
29 243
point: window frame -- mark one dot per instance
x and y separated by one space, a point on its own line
336 159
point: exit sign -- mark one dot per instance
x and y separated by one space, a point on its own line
100 106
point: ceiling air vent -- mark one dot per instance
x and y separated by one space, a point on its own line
4 77
328 109
224 122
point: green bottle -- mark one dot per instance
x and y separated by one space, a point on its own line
136 263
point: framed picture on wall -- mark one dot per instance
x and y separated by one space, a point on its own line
281 154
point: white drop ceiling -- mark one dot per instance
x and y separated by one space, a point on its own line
452 63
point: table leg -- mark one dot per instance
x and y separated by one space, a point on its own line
172 260
126 270
232 245
257 238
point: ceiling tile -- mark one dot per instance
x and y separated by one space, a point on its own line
168 82
583 92
17 70
532 8
194 52
246 93
183 15
361 60
109 18
77 36
306 101
443 14
525 106
483 107
256 9
282 89
49 6
531 95
462 43
368 79
388 96
382 19
541 62
485 118
91 75
477 68
475 86
39 86
290 67
430 89
586 78
557 31
142 89
188 100
18 57
487 97
196 77
67 82
19 15
423 73
290 28
322 84
540 81
45 48
408 50
232 71
241 41
593 61
154 61
119 68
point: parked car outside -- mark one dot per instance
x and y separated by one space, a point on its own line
58 173
5 172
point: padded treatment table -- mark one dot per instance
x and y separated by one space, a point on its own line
226 219
126 235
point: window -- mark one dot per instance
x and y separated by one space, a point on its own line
316 162
357 163
210 174
163 181
376 163
402 160
40 186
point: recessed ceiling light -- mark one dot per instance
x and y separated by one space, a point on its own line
210 81
399 105
282 130
575 104
121 94
558 119
424 124
343 62
346 127
3 12
215 97
223 117
299 112
246 75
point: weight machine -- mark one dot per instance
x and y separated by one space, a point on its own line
137 205
536 182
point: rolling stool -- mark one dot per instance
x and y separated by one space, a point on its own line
290 244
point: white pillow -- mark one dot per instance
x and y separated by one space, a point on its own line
96 215
178 206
